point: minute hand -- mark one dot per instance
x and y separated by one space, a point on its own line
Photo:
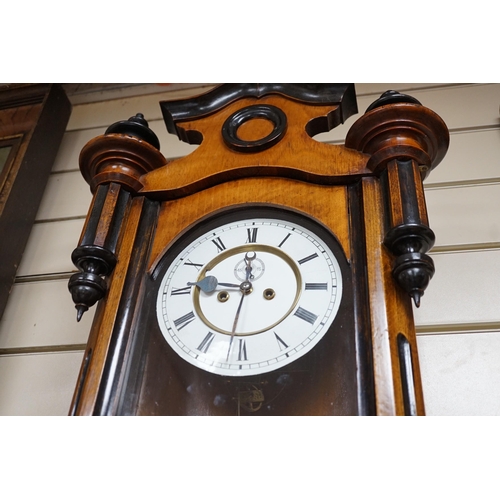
246 288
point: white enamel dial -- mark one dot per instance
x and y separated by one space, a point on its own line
249 296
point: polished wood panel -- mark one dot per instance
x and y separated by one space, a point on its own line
296 156
327 204
390 311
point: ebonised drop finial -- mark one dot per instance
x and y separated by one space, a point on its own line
413 272
87 286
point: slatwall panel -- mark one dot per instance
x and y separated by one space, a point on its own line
39 383
458 324
41 344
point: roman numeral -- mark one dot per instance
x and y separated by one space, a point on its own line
286 237
181 291
316 286
281 343
218 243
183 321
242 351
306 315
189 263
205 343
308 258
252 235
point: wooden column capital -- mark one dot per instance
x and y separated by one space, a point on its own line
118 158
396 127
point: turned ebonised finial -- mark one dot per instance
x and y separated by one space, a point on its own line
135 126
392 97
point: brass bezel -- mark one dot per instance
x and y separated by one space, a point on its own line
243 249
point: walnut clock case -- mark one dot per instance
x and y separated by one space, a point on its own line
265 273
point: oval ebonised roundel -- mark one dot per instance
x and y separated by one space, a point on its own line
265 111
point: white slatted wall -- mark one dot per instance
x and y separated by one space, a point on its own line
41 344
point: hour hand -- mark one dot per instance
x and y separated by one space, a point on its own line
210 283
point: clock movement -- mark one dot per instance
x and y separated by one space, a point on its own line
265 273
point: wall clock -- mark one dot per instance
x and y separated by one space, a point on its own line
249 296
265 273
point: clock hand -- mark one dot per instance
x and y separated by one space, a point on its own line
249 256
246 288
229 285
235 323
210 283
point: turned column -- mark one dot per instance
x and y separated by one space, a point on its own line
112 164
118 220
406 141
